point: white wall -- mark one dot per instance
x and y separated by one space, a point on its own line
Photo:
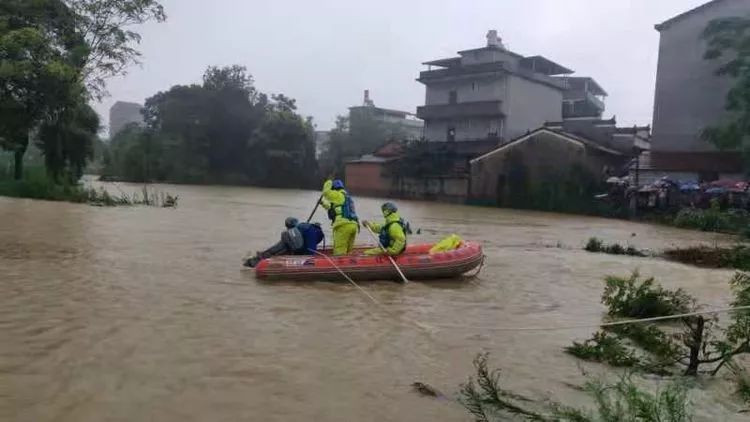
529 105
467 89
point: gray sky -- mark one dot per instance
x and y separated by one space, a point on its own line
325 53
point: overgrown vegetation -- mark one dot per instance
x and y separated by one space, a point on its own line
737 257
597 245
222 131
714 219
727 40
655 347
621 400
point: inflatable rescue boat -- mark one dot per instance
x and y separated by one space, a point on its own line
416 263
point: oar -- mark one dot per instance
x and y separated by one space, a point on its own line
317 204
403 277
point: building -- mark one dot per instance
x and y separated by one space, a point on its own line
123 113
689 97
542 167
494 93
397 122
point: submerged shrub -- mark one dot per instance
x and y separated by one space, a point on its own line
624 401
737 257
604 348
630 297
596 245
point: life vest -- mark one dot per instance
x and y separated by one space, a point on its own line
385 236
346 210
312 235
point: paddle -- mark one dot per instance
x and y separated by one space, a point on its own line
403 277
317 204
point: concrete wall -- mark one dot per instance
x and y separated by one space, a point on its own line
446 189
543 155
467 129
467 89
529 105
689 96
366 179
488 56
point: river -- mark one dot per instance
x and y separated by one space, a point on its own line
140 314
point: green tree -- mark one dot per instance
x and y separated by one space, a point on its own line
729 43
37 75
106 27
67 141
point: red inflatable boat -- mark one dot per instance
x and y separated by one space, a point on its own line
416 263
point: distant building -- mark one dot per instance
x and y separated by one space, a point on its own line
400 121
689 97
494 93
123 113
550 153
322 138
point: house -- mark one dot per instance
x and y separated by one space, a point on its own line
122 114
494 93
553 158
689 97
398 122
416 170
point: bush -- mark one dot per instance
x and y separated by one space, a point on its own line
596 245
624 401
632 298
714 219
604 348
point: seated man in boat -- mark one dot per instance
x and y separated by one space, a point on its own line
297 239
392 232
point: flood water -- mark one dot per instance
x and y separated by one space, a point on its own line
141 314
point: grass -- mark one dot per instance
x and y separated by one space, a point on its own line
714 219
737 257
37 185
597 245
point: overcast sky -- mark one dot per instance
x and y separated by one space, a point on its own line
325 53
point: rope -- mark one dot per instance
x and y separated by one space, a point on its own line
609 324
479 270
375 301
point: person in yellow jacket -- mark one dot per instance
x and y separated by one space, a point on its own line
391 234
342 214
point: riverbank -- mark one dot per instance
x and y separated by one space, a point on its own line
37 185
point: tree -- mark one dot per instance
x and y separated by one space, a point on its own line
105 27
729 41
37 74
67 141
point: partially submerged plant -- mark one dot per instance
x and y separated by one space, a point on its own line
630 297
596 245
605 348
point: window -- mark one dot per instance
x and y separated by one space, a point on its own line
451 135
473 86
452 97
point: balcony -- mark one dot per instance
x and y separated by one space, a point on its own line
450 111
461 70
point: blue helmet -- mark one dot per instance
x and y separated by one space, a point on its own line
389 208
338 184
291 222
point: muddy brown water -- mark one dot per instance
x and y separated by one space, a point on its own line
136 314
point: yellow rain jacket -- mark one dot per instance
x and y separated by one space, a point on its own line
395 234
344 230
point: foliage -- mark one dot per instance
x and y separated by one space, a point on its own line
67 141
624 401
223 131
603 347
713 219
729 43
596 245
483 397
632 298
617 401
742 381
105 27
737 257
